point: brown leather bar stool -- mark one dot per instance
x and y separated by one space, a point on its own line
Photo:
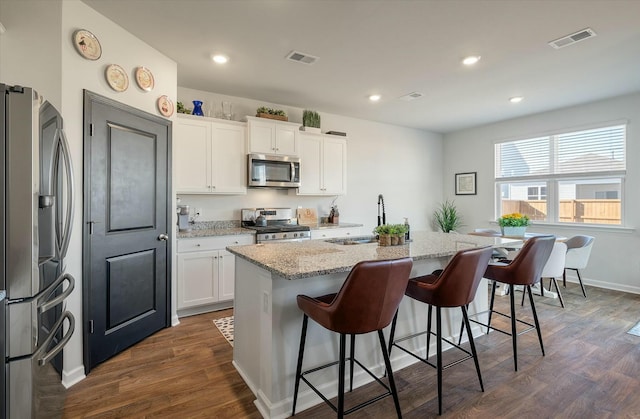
455 286
525 269
366 302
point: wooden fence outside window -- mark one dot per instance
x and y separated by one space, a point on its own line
591 211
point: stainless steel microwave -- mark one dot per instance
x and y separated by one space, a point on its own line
267 170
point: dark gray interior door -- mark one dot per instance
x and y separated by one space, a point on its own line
127 220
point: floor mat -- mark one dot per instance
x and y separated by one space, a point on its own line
225 326
635 330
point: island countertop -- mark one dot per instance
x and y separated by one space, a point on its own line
304 259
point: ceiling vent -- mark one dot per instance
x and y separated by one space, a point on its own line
301 57
573 38
411 96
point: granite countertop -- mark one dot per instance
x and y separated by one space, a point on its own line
213 229
296 260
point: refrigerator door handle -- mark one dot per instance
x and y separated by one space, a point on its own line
63 238
40 354
48 304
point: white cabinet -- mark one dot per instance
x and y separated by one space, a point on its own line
267 136
323 164
332 233
210 156
206 272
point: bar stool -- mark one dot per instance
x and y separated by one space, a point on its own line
455 286
554 268
366 302
525 269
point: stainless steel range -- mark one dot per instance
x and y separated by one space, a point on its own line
274 225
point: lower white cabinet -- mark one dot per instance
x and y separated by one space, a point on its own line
206 273
332 233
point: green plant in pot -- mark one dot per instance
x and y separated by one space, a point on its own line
397 234
311 121
514 224
384 234
447 217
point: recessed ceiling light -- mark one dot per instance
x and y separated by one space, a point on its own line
471 60
516 99
374 98
220 59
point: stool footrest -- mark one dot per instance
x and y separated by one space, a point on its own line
354 408
425 360
530 328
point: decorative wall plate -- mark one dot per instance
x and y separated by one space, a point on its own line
165 106
117 78
144 78
87 44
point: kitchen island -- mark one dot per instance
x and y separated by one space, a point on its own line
268 322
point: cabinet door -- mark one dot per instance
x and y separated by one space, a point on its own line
197 272
334 164
332 233
226 275
229 159
286 141
310 164
192 153
262 137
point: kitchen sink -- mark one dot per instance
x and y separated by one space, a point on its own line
347 241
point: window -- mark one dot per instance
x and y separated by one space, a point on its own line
570 177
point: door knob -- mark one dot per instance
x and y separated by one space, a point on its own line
163 237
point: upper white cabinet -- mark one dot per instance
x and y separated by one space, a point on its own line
323 164
210 156
268 136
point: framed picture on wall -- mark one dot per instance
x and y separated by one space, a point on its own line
466 183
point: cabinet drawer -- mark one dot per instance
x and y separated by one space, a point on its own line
213 243
331 233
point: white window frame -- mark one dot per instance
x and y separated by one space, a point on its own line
552 180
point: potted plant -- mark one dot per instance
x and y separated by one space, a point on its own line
514 224
311 121
397 234
264 112
446 217
384 234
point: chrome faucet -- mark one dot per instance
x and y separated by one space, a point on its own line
384 216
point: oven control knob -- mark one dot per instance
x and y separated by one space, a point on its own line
273 236
284 236
295 234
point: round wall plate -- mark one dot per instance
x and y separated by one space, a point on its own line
117 78
165 106
87 44
144 78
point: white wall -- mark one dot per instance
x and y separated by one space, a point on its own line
403 164
37 51
614 262
30 50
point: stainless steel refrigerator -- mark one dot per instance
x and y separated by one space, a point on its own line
36 215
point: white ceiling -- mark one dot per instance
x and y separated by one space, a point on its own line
394 47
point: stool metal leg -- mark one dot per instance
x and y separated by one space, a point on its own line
392 383
514 334
493 297
555 282
341 372
535 319
303 337
351 361
393 331
429 330
472 344
439 356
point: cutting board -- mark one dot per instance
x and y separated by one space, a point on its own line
307 216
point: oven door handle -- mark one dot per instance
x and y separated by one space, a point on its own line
48 292
40 354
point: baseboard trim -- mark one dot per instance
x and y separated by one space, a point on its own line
73 377
602 284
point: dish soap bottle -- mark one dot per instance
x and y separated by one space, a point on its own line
407 235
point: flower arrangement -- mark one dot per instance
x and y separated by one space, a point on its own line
269 111
514 220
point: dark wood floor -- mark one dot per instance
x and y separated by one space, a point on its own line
591 369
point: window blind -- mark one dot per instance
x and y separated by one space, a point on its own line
589 151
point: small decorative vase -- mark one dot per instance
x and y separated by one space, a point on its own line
513 231
394 240
197 108
401 239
